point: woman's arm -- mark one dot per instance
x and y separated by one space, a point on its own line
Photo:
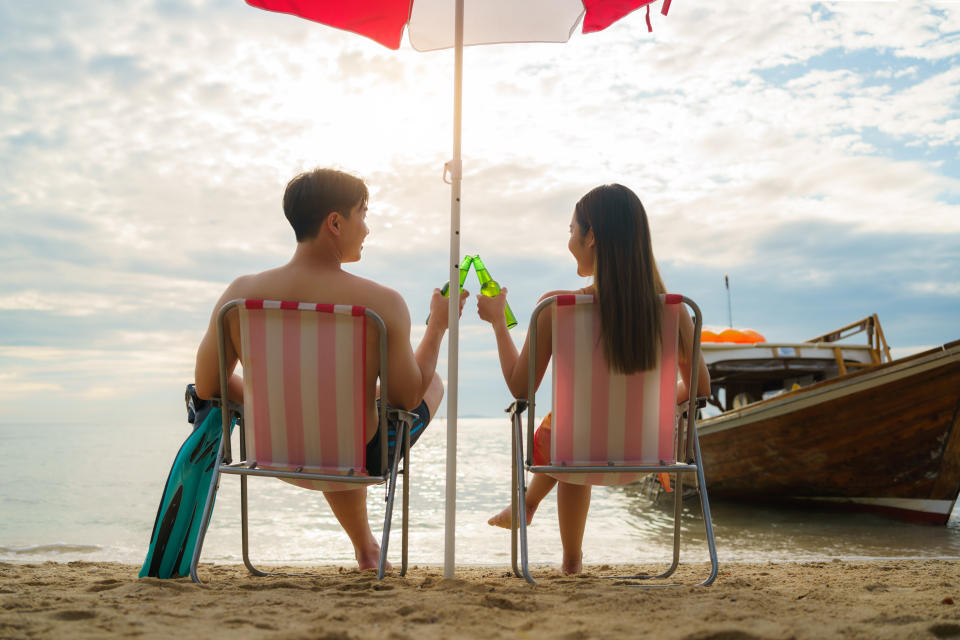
513 364
506 349
685 355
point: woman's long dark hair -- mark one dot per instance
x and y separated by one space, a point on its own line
628 284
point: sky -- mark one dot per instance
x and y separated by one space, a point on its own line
807 149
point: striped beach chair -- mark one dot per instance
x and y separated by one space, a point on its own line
304 407
609 428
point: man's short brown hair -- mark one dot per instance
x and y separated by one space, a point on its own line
311 196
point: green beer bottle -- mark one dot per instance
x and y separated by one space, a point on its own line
490 288
464 270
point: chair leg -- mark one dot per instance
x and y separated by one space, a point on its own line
385 537
205 520
244 530
677 513
406 500
518 514
513 501
707 519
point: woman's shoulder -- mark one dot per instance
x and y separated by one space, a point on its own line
561 292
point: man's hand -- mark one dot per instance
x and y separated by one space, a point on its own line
492 309
440 309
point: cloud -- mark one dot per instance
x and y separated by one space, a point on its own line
938 288
807 148
10 384
165 360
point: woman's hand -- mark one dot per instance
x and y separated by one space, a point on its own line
440 308
492 309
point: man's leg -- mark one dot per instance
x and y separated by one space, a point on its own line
573 502
350 508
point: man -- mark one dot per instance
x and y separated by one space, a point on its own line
327 210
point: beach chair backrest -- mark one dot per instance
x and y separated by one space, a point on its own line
602 418
304 371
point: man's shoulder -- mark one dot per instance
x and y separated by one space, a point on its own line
383 299
361 288
301 286
247 286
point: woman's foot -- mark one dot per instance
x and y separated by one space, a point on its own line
502 519
572 567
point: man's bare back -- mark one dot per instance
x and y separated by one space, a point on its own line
315 274
305 284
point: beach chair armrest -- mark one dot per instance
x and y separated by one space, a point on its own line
683 407
406 417
234 409
517 406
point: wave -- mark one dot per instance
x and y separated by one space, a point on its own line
41 549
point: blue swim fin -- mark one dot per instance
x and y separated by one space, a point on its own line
177 524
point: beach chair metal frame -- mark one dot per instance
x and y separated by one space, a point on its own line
248 468
686 447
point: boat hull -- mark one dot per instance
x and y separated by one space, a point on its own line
884 439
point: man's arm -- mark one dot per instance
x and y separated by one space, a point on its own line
207 369
428 351
410 373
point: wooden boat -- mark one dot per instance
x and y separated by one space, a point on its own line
841 424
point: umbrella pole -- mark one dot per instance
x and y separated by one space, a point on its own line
450 507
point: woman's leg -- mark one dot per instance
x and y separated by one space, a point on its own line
537 490
573 502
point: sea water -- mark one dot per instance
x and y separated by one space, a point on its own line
90 492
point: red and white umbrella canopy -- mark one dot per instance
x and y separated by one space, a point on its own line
430 22
442 24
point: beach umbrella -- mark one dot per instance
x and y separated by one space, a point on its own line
444 24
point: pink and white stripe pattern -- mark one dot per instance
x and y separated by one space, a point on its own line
602 418
303 378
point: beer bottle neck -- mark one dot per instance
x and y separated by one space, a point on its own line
483 276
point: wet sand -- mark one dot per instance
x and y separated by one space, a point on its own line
875 599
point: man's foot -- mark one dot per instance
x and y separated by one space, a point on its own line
370 558
502 519
572 567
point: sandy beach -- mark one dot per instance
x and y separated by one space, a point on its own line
875 599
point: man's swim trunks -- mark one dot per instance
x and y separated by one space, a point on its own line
416 430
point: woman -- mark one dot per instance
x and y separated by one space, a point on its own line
610 240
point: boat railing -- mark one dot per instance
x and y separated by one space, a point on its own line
879 349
